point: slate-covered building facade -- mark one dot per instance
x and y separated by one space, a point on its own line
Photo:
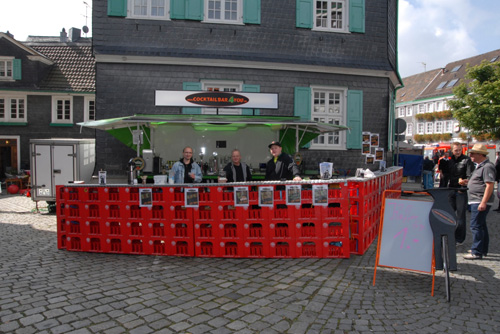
329 61
47 85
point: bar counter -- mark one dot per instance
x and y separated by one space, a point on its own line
290 219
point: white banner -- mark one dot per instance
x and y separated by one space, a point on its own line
172 98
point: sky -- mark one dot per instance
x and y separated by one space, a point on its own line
432 33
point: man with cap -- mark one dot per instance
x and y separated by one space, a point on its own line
281 166
480 185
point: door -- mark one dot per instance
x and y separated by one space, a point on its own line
63 161
42 171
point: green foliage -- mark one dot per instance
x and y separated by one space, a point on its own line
477 100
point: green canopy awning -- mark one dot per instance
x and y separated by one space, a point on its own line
294 132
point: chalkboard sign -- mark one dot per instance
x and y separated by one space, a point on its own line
406 235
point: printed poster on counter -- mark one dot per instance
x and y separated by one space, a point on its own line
145 197
320 194
293 194
241 196
266 196
191 198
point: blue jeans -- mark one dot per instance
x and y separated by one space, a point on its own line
480 236
428 181
458 201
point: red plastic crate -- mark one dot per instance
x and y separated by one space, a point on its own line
282 249
256 249
206 248
183 247
308 249
336 248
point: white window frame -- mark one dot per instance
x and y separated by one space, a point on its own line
55 104
439 106
409 129
223 86
6 68
429 127
327 16
448 127
421 128
149 15
421 108
409 111
327 114
401 111
89 104
430 107
438 127
208 12
6 106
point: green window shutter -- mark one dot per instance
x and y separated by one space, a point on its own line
354 118
304 13
16 69
302 102
357 16
117 8
251 89
191 86
178 9
194 10
302 105
251 11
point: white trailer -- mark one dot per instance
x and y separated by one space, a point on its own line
58 162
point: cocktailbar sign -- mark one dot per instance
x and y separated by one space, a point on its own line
171 98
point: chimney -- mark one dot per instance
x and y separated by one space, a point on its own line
63 36
74 34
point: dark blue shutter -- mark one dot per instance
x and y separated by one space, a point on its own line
191 86
251 89
357 16
117 8
304 13
354 118
251 11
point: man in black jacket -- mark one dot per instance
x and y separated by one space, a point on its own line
460 168
497 169
281 166
237 171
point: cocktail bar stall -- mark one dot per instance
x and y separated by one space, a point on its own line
327 218
289 219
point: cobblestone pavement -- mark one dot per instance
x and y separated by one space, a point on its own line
46 290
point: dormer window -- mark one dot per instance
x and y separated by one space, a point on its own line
441 85
451 83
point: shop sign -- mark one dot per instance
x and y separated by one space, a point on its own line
216 99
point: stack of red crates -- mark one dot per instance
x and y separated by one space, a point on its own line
109 219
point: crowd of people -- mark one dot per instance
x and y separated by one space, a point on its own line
472 179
